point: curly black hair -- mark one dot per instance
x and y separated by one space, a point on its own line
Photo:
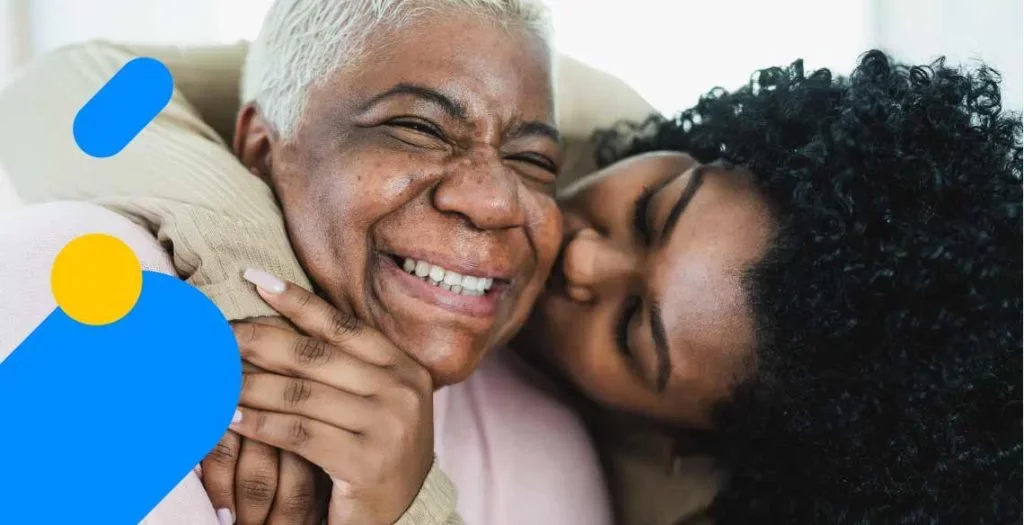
888 369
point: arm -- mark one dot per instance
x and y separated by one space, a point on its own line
177 179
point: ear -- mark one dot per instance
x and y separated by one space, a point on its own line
253 141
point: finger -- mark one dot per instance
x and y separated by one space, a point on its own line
336 325
295 502
255 482
219 474
292 395
296 355
337 451
249 368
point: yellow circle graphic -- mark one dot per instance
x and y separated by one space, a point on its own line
96 279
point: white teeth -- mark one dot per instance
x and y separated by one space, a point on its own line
452 281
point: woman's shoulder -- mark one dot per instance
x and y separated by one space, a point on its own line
517 451
517 384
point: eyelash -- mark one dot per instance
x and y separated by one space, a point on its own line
418 126
640 225
622 331
543 163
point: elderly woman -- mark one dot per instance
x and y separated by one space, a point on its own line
837 321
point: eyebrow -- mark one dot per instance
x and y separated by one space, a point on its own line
452 107
660 337
692 186
658 333
526 129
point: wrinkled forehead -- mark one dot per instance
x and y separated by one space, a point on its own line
493 69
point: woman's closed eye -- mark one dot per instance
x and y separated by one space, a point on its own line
629 310
417 132
641 224
536 159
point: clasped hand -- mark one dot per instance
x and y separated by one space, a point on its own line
339 396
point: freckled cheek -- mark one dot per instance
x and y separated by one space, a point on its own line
545 231
363 188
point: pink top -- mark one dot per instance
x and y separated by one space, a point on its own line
516 454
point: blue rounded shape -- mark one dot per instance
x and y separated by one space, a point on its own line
99 423
123 107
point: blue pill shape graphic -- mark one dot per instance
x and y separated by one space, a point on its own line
99 423
123 107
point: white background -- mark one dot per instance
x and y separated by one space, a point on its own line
671 51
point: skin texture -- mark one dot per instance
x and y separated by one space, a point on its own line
470 188
611 270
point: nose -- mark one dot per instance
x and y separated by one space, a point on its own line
481 190
593 265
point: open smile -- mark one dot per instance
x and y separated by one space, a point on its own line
446 287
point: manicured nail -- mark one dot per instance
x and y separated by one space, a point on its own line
265 281
237 418
225 517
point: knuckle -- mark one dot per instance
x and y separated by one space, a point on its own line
298 433
262 425
247 333
311 352
297 502
297 392
223 454
342 324
257 489
305 299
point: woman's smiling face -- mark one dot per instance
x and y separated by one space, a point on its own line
419 187
646 310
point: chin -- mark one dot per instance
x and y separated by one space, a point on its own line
447 363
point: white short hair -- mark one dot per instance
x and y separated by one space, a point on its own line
303 42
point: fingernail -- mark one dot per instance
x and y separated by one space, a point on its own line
237 418
265 281
225 517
